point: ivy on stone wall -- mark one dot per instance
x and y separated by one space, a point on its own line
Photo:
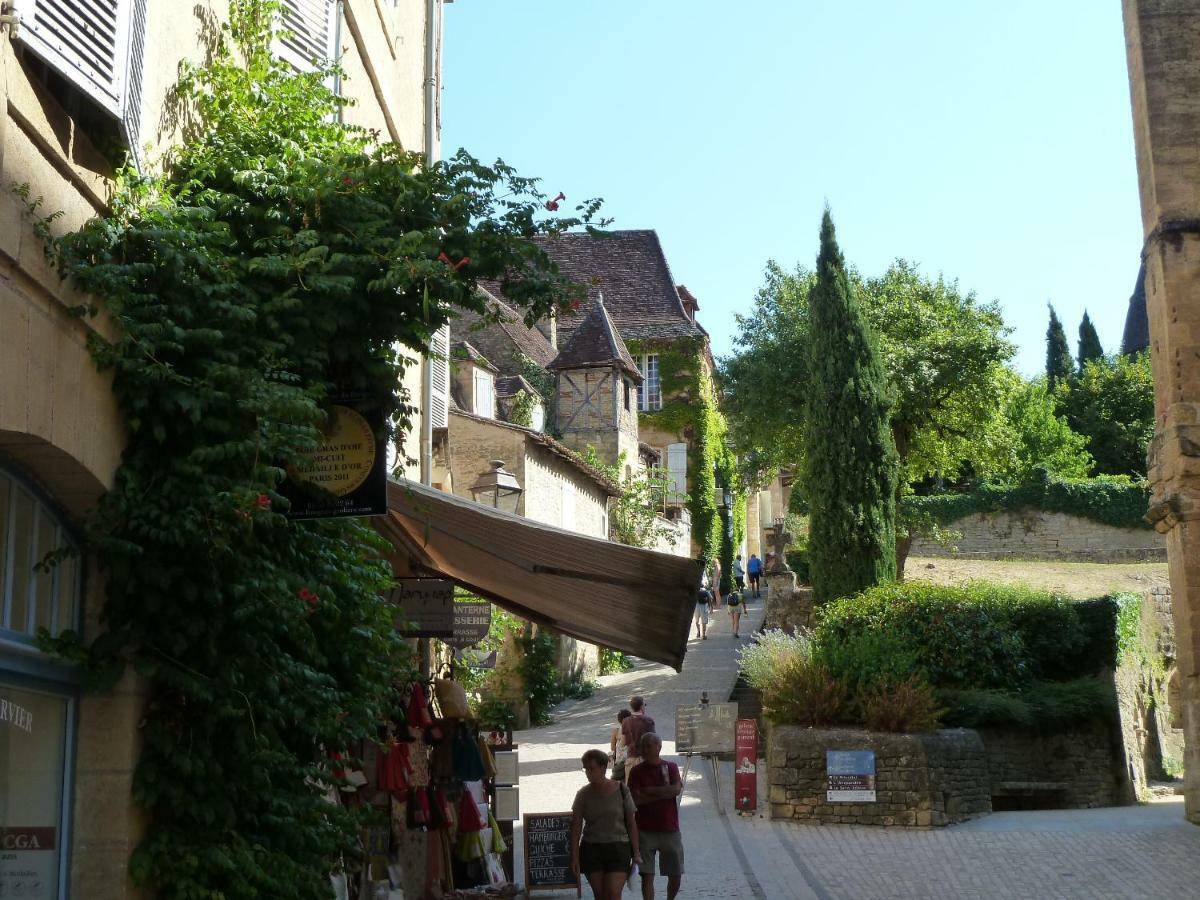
690 409
280 257
1118 502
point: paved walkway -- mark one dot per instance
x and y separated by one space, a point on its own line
1127 852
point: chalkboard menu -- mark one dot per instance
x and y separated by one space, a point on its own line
705 728
548 852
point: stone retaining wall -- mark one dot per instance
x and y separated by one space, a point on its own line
921 779
1035 534
1077 769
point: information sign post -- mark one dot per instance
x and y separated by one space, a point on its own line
706 730
745 766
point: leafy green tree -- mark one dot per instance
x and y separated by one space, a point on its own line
943 352
851 470
1059 365
1111 402
281 255
1089 342
1031 435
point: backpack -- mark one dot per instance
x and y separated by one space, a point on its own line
734 599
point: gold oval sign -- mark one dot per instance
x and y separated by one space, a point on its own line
345 454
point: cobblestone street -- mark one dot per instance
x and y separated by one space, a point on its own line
1129 852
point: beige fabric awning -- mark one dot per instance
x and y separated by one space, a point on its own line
638 601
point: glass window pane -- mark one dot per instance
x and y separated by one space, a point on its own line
67 588
21 564
43 580
5 495
33 731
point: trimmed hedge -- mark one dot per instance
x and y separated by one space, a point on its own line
976 635
1047 706
1122 505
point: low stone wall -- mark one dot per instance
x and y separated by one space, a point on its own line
1077 769
921 779
1035 534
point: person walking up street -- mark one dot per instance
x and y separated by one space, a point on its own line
700 617
604 832
634 727
736 605
714 581
620 750
754 570
655 785
739 573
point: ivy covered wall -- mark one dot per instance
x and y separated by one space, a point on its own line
690 413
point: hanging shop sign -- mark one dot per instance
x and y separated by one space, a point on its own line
705 728
745 772
425 607
851 775
548 852
476 659
471 623
346 476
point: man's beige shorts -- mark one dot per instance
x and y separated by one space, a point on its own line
668 846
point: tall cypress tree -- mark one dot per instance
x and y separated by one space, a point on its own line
1059 365
851 469
1089 342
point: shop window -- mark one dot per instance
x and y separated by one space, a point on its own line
34 733
34 595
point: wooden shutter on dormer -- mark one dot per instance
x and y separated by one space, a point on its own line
439 373
312 27
86 41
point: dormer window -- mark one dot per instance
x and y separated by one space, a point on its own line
483 395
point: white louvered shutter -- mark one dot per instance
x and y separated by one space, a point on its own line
312 26
677 470
439 374
97 45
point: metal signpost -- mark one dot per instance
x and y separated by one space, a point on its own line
705 730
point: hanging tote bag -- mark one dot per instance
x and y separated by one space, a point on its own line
452 698
468 766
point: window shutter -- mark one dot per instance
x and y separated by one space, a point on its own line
312 27
439 373
677 470
87 41
131 112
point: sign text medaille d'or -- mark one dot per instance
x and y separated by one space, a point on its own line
16 716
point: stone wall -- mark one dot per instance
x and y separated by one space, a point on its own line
1077 769
921 779
1036 534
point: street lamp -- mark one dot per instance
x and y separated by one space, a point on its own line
497 488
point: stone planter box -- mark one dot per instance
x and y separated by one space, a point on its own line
930 779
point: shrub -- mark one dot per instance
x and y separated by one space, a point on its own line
614 661
764 659
957 634
805 693
496 714
578 688
909 705
1047 706
868 657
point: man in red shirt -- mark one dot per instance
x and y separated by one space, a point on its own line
633 728
655 785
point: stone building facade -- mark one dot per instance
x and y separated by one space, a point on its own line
71 755
1163 50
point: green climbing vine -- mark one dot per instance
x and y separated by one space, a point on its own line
690 409
281 256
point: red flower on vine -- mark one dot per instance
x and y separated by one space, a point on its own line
263 502
574 305
552 205
442 257
347 181
308 597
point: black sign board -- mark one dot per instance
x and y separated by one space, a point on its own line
705 728
426 607
548 852
346 475
471 623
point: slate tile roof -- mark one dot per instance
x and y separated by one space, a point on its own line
498 341
464 350
509 385
631 271
594 343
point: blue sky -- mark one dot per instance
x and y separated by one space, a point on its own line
991 142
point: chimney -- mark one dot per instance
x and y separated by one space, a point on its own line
549 329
